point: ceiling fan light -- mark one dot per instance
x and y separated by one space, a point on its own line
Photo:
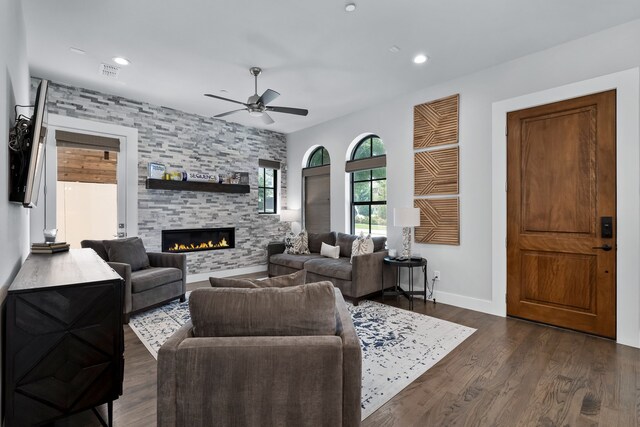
255 113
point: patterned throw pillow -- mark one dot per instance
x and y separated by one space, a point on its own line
297 245
362 245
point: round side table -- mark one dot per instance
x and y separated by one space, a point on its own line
409 264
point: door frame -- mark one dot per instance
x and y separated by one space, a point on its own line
128 147
627 84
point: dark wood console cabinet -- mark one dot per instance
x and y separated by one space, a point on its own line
64 342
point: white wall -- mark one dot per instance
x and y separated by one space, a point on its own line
14 89
465 269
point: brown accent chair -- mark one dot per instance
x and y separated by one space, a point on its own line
357 280
262 357
150 278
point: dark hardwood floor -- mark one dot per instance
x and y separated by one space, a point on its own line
508 373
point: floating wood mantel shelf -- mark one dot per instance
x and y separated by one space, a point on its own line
212 187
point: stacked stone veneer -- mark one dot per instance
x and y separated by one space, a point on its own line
195 143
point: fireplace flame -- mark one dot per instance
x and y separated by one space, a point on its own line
204 245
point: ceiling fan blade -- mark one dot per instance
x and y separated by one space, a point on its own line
229 112
268 96
267 120
289 110
224 99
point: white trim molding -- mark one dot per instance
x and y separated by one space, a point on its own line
627 84
129 138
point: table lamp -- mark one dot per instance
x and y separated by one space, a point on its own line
292 216
406 218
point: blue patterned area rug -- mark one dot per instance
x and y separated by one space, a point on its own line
397 345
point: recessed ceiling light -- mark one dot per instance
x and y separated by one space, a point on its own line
420 58
76 50
394 49
350 7
121 61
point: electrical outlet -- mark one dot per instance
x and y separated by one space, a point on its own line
436 275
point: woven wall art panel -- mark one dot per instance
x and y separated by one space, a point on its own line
439 221
436 123
436 172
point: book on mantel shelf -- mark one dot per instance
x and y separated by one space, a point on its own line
49 248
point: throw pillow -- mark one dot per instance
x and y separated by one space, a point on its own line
361 246
128 251
293 311
293 279
297 245
330 251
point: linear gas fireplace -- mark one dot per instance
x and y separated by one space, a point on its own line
198 239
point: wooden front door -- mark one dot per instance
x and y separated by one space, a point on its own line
561 188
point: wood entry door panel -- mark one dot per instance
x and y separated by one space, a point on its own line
560 181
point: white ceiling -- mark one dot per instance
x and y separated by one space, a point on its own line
314 53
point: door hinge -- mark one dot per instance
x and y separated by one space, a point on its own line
506 187
505 242
505 298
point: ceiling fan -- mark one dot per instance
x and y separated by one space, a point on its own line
257 105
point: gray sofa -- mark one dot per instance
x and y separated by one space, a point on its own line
356 281
262 357
150 279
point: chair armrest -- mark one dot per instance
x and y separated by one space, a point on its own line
161 259
274 248
366 273
166 403
352 365
124 270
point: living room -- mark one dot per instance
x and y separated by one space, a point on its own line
522 56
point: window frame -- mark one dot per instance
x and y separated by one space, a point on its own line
371 203
264 188
322 150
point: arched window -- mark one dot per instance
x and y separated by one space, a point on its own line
368 187
316 192
319 157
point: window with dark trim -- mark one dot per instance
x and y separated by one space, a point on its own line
267 190
369 190
319 157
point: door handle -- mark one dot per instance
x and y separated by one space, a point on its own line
604 247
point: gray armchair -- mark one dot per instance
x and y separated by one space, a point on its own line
147 284
237 363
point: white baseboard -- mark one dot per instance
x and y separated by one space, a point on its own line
226 273
470 303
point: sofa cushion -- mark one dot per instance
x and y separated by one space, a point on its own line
149 278
128 251
293 279
339 268
98 246
345 241
292 261
317 239
293 311
378 243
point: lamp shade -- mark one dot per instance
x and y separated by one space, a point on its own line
290 215
406 217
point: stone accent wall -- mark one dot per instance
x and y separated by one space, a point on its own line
195 143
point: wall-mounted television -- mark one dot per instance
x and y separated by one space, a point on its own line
26 154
